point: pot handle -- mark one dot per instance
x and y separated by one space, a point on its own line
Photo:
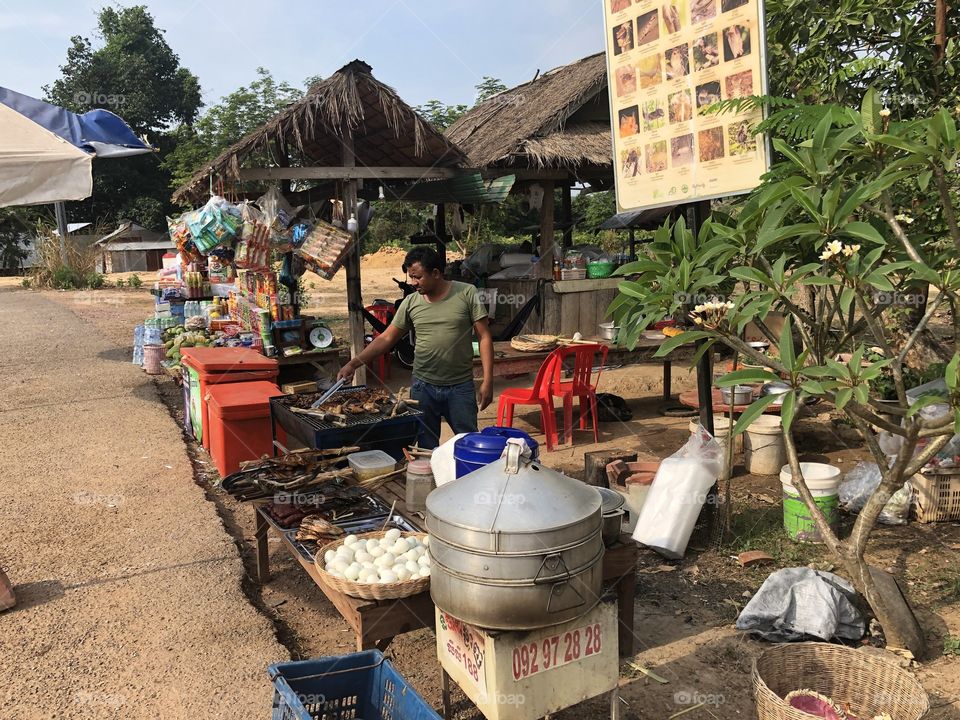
550 564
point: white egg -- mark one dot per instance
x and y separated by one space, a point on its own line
401 545
425 571
392 534
376 552
337 574
371 544
340 565
410 555
346 553
362 556
388 576
424 559
413 567
368 575
329 556
401 572
352 572
385 561
426 541
350 540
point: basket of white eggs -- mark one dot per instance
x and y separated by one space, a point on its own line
377 565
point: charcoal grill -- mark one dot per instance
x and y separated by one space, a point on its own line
367 430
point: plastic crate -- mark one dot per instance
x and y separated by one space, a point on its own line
359 685
936 495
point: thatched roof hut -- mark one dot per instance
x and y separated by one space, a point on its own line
350 105
559 121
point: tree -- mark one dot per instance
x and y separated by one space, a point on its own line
223 124
135 74
487 88
16 228
439 114
825 218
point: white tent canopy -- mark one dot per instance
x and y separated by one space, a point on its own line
37 166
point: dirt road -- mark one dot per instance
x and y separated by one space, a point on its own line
130 598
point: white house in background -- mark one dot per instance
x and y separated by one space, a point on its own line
132 247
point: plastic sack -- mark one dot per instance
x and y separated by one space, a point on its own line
800 603
677 494
861 482
277 212
216 223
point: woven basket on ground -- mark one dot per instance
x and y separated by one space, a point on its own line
534 343
863 685
370 591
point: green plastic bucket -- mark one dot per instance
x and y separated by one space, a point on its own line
824 483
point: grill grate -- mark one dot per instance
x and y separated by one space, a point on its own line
355 420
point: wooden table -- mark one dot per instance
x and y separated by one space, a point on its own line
377 622
304 365
508 361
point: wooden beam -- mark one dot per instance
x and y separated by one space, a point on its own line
545 269
354 291
348 173
567 215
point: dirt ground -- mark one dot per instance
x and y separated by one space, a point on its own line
684 611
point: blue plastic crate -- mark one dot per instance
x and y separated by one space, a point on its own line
359 685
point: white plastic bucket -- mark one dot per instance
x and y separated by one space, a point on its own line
721 431
764 451
824 483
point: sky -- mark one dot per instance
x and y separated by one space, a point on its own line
424 49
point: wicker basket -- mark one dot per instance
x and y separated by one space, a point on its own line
534 343
862 684
936 495
370 591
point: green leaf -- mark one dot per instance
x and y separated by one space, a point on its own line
922 402
808 203
813 387
880 282
843 397
676 341
862 393
752 413
788 410
787 355
751 274
950 374
746 376
870 111
863 231
923 180
846 299
819 281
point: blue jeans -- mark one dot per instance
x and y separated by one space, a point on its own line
457 404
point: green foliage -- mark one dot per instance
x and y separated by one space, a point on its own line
487 88
65 278
439 114
951 645
134 73
26 282
234 117
94 281
15 232
121 283
135 281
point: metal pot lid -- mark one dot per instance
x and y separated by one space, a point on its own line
775 388
611 499
513 495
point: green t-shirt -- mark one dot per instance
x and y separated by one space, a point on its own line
444 333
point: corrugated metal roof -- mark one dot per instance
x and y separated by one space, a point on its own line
163 244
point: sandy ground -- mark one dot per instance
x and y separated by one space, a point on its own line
684 611
130 598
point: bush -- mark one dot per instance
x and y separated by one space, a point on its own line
135 281
94 281
65 278
26 282
120 283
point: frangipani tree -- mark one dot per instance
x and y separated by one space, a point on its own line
827 239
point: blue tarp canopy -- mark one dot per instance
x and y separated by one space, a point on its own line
99 131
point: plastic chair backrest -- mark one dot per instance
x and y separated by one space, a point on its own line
544 380
583 364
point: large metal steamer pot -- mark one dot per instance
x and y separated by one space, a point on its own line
515 545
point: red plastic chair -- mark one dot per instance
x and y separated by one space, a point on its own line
539 394
579 385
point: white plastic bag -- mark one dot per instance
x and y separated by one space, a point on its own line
861 482
677 494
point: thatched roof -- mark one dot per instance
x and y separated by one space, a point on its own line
351 102
527 126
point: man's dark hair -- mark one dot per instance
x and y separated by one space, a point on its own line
428 258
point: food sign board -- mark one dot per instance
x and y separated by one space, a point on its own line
667 61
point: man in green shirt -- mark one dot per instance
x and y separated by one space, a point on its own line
444 315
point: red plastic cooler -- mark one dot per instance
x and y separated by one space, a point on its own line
240 423
205 367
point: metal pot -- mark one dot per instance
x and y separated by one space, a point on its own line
608 331
776 388
742 395
613 512
515 545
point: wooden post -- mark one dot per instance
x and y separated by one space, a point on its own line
545 269
354 292
567 212
440 229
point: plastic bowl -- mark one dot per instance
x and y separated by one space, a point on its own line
600 269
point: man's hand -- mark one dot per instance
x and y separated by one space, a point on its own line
347 371
486 394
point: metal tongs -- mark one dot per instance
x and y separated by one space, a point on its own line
328 394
